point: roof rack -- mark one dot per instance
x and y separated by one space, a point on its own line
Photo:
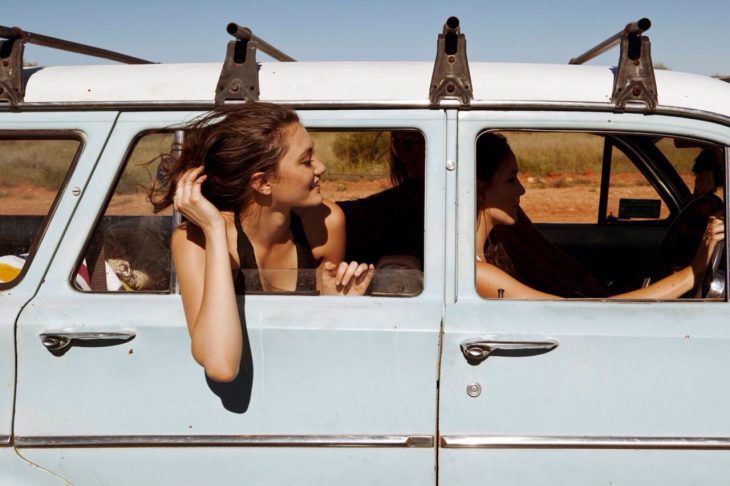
451 79
634 80
239 78
12 45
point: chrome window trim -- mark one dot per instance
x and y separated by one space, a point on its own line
368 104
382 441
582 442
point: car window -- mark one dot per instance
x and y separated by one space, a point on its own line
375 176
32 170
600 214
129 250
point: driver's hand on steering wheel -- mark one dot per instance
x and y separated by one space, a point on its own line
714 233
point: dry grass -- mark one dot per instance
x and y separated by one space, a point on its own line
42 163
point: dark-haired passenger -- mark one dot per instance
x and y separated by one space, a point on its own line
242 173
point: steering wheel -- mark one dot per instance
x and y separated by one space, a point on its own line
679 243
716 258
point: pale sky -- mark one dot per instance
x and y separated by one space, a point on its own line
691 36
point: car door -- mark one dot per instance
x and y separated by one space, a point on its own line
579 391
37 198
340 390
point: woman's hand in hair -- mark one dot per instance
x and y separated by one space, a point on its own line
346 278
190 201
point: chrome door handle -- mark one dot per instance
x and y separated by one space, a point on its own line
58 342
477 350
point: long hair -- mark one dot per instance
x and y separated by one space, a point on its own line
232 143
520 249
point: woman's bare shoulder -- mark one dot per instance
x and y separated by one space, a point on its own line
186 234
320 221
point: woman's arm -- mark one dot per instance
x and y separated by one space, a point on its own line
202 264
325 228
491 279
681 282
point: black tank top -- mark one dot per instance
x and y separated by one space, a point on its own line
248 279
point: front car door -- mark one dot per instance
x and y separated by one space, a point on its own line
340 389
582 390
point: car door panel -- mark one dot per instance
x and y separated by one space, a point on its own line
631 393
334 379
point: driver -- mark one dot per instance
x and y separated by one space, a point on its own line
498 200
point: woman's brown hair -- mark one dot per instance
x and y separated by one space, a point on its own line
232 143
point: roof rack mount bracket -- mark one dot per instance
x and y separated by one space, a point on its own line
12 89
239 78
451 79
634 80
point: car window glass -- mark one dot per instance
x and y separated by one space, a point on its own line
631 197
598 215
561 172
31 173
701 165
376 177
129 250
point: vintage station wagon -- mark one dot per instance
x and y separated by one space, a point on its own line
420 382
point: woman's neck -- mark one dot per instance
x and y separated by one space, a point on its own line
266 225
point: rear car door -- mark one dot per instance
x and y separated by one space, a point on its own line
45 160
582 390
338 389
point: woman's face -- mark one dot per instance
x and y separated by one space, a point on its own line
500 196
298 172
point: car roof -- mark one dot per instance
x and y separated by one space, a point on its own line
366 83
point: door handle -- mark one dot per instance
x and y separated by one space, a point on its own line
58 342
477 350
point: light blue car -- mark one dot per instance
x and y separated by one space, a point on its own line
423 381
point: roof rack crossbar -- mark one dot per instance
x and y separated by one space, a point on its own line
633 28
239 78
451 79
244 33
634 80
64 45
12 45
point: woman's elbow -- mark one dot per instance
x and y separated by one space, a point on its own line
220 369
222 374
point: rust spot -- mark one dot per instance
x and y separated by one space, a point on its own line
131 351
451 59
6 63
450 87
636 91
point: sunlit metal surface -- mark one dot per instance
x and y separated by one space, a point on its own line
394 441
583 442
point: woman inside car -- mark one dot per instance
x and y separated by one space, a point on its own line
498 200
247 182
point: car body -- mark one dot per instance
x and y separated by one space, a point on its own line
361 390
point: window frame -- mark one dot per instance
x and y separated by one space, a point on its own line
44 135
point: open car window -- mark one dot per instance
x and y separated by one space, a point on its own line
33 167
607 213
375 176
